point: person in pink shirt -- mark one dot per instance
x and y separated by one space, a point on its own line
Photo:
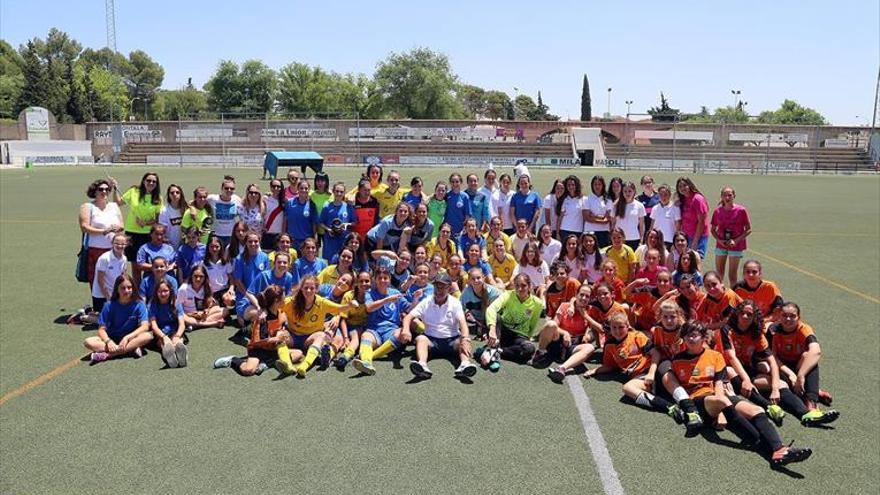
694 215
730 227
652 267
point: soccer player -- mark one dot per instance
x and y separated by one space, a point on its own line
513 320
383 335
764 293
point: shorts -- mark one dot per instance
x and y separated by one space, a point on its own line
727 252
241 307
382 334
135 241
442 346
700 402
264 355
558 351
298 341
98 304
603 238
702 245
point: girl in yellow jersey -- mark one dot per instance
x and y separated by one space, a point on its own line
306 313
354 321
443 244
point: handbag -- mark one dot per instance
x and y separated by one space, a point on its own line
82 260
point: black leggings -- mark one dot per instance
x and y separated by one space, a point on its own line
514 347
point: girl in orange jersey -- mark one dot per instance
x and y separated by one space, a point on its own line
795 346
610 278
763 292
568 337
644 300
627 350
702 374
603 308
743 336
269 337
718 304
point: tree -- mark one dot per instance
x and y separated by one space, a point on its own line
726 115
305 90
542 111
109 95
526 108
35 91
586 108
11 81
497 104
664 113
48 72
249 90
792 113
181 103
144 78
473 100
418 84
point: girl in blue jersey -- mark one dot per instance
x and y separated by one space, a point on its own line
309 263
335 219
382 335
167 325
122 325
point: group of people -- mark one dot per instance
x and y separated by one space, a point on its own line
478 273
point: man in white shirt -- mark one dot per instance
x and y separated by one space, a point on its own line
446 331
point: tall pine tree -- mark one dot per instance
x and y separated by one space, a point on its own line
586 108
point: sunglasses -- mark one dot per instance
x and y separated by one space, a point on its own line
104 189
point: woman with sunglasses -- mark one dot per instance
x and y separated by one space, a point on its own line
253 209
100 220
273 217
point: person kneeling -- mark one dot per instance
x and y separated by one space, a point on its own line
446 331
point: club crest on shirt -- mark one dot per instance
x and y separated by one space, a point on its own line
459 203
313 318
710 371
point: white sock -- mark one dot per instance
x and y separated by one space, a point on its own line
679 394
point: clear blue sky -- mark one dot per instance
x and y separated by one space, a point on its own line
823 54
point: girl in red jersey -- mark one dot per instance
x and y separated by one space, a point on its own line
795 346
644 300
702 374
610 278
603 308
570 337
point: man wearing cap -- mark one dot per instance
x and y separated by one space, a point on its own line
446 331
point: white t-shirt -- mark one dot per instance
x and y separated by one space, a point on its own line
593 274
225 213
572 214
630 221
485 191
551 251
170 217
537 274
500 205
191 299
112 267
440 321
664 219
252 217
549 204
275 226
102 219
598 206
218 274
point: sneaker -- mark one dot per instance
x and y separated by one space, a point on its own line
169 356
76 318
364 367
182 354
539 359
223 362
284 367
557 375
819 417
420 370
677 414
340 362
466 369
325 357
693 424
787 455
97 357
494 366
261 368
776 414
825 397
301 371
139 353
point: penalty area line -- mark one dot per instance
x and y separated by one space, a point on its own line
610 480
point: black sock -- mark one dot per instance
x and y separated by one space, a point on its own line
237 362
651 401
768 432
792 403
755 397
687 405
739 426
